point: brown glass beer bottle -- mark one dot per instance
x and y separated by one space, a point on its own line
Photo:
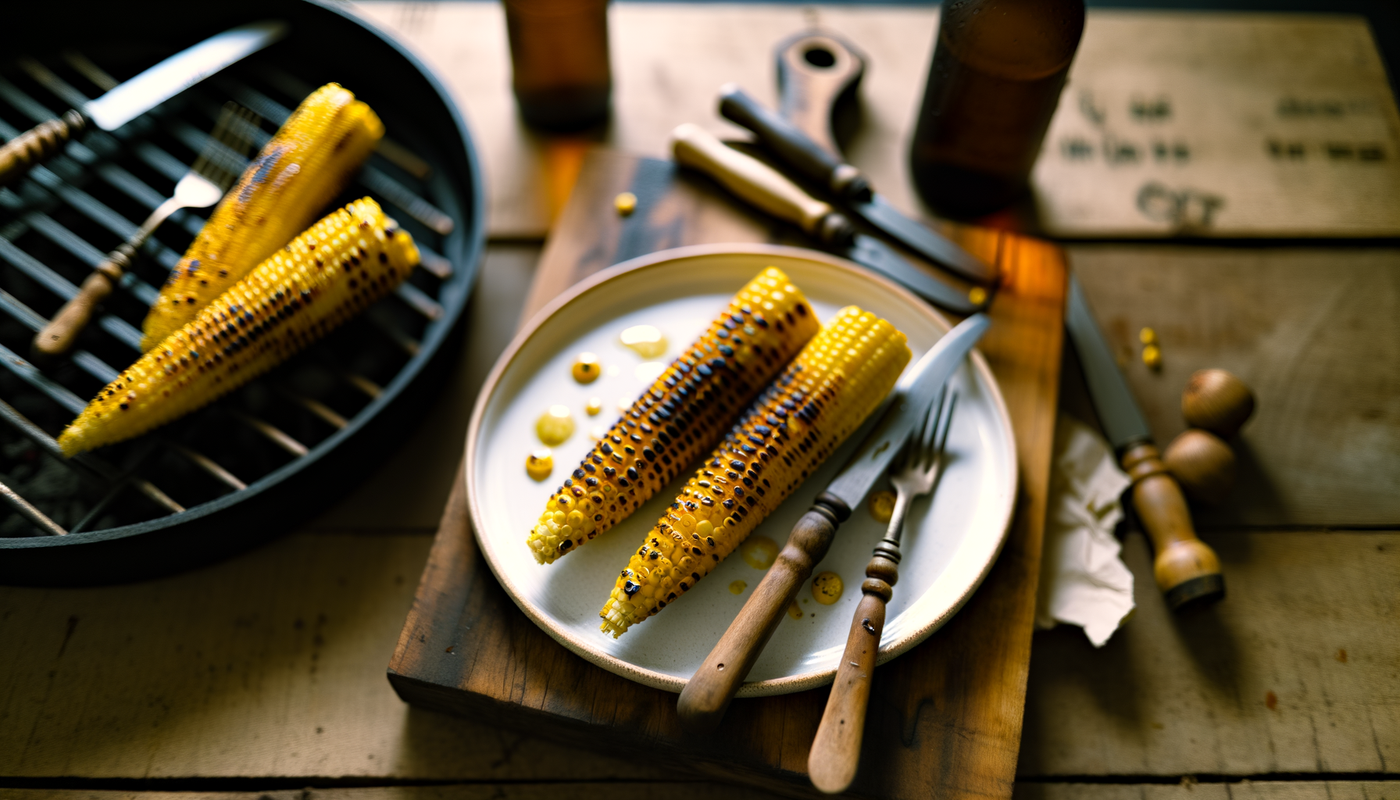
998 68
559 61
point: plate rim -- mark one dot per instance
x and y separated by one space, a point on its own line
658 680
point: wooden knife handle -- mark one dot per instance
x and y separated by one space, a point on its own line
38 144
836 750
705 697
756 182
58 337
815 72
795 147
1187 570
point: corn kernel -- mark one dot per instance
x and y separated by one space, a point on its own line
625 203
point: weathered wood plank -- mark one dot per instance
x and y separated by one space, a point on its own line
1315 332
677 790
270 664
1294 672
1223 78
1243 790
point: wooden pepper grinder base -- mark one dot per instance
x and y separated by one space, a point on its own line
1186 569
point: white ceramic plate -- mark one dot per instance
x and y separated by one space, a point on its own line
949 542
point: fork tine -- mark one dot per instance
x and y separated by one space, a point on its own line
928 433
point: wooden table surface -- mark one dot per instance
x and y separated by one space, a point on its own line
264 675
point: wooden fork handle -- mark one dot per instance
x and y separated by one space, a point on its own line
706 695
38 144
58 337
836 750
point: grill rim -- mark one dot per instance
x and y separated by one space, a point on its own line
409 388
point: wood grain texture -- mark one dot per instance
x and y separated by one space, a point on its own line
675 790
1314 332
669 61
945 716
1190 790
1294 672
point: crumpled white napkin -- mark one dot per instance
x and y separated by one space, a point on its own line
1083 580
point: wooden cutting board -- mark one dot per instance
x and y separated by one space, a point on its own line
945 719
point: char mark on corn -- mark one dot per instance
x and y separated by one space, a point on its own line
824 395
681 416
331 272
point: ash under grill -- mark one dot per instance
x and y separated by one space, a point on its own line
61 220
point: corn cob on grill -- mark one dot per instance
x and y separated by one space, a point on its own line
827 392
301 169
684 413
331 272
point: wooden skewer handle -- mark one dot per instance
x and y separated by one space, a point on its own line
705 697
836 750
58 337
1187 570
38 144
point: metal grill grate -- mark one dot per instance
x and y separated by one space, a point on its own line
58 224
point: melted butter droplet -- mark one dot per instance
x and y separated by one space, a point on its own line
881 505
759 552
595 405
555 426
539 464
827 588
645 340
737 587
795 611
586 368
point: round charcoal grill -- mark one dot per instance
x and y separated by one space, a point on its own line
274 453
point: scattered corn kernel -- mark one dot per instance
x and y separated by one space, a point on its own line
824 395
977 295
794 610
737 587
539 464
684 411
595 405
827 588
646 340
625 203
555 426
1152 356
586 368
1147 336
881 505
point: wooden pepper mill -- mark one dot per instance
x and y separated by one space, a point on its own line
1215 405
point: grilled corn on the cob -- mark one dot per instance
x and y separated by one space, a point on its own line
301 169
835 383
331 272
682 415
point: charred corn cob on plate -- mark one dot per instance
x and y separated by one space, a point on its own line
592 333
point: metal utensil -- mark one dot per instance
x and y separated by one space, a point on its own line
218 166
769 190
1187 569
836 749
820 163
138 95
703 701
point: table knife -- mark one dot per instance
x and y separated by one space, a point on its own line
800 152
138 95
767 189
1186 569
706 695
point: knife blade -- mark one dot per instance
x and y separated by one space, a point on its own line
706 695
799 151
770 191
137 95
1187 570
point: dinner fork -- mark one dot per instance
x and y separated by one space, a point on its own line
836 749
214 171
